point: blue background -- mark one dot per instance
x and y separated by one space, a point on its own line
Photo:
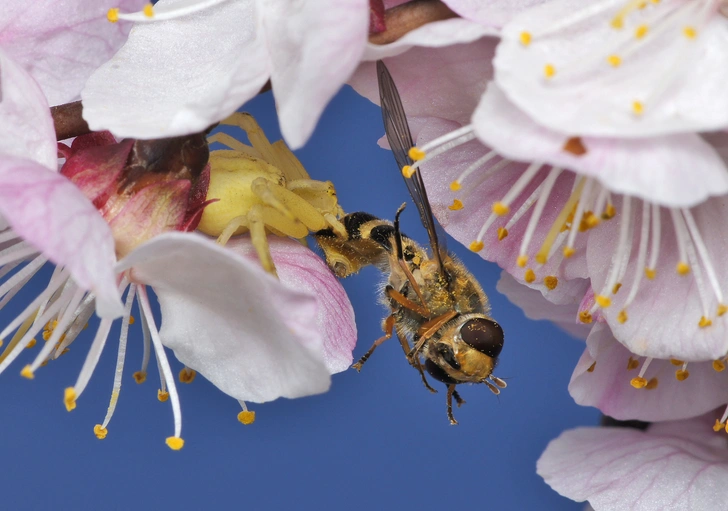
377 440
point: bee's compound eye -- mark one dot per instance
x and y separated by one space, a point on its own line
485 335
438 372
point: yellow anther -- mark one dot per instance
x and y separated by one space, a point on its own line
585 317
175 443
704 322
69 398
718 425
549 70
100 431
609 212
162 395
31 343
131 320
47 334
476 246
722 309
541 258
187 375
26 372
650 273
113 14
569 251
500 209
551 281
622 316
246 417
632 364
616 288
690 32
676 362
641 31
455 186
502 233
638 107
652 384
149 11
416 154
603 301
614 60
457 205
529 276
588 221
638 382
525 38
408 171
682 374
140 376
591 367
682 268
522 260
617 22
718 365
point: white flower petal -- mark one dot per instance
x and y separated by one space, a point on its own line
491 13
179 76
223 316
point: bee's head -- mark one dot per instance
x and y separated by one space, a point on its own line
467 351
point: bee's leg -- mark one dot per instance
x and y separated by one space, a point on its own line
416 362
405 302
459 400
403 264
450 391
388 329
429 329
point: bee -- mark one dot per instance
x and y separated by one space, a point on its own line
434 301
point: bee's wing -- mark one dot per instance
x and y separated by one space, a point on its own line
400 140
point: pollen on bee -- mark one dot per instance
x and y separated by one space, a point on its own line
113 14
456 205
502 233
549 70
682 268
408 171
718 365
682 374
614 60
416 154
455 186
100 431
603 301
522 260
551 281
529 276
525 38
704 322
246 417
476 246
175 443
638 382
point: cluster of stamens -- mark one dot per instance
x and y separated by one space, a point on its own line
634 27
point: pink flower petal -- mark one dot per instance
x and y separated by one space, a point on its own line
607 386
61 43
49 212
246 332
314 47
26 125
673 170
300 269
623 468
490 13
179 76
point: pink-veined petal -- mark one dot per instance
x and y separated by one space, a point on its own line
299 269
176 77
566 76
314 47
536 306
606 384
225 317
26 125
673 170
61 43
682 467
50 213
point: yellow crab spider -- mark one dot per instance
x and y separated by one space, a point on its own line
262 188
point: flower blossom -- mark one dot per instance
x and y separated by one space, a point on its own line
211 56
